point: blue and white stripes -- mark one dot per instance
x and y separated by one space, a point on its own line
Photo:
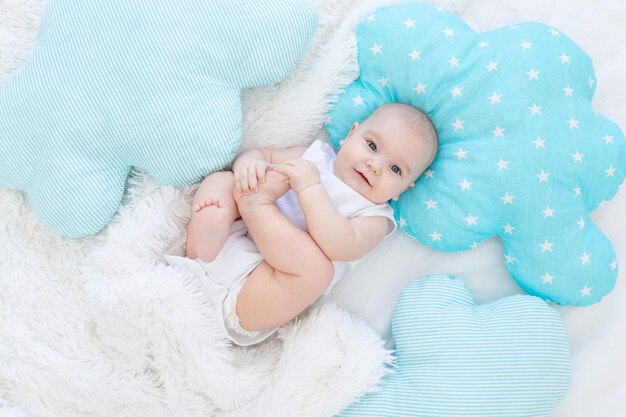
118 84
508 358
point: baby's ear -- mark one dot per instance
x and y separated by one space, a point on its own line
408 187
354 127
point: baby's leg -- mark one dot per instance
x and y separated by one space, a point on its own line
295 271
214 211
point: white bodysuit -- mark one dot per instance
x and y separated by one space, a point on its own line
225 276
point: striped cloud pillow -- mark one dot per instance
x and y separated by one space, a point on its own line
154 85
506 358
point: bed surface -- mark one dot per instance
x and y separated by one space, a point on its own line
597 333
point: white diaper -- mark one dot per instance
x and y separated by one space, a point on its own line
224 278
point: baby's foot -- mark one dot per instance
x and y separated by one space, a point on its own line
207 203
274 186
211 221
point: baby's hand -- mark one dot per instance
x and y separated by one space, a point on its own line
301 173
249 174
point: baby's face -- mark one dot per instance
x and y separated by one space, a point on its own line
382 157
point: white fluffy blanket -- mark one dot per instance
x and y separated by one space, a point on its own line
103 327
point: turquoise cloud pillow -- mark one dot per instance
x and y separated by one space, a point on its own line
506 358
522 154
113 85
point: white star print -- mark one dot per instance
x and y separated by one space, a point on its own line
578 157
526 45
376 49
435 236
585 291
454 62
509 259
498 132
613 265
543 176
608 139
502 164
456 91
358 100
408 23
548 212
465 185
547 278
492 66
420 89
546 246
568 91
471 220
535 109
429 173
577 190
461 154
415 55
539 143
483 44
402 222
474 245
581 223
448 32
533 74
495 98
610 171
458 124
585 259
371 18
591 82
431 204
554 32
564 58
507 199
508 228
573 123
383 81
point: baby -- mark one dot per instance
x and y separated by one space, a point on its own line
273 235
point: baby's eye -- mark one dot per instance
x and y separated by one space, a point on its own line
396 169
372 145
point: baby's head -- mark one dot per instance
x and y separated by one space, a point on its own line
383 156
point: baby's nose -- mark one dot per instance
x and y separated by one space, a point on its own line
374 165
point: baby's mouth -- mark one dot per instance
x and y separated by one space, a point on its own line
363 177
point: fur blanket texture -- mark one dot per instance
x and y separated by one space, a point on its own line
102 326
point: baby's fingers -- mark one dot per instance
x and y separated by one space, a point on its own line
252 180
243 186
281 168
238 186
260 172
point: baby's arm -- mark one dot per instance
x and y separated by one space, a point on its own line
340 238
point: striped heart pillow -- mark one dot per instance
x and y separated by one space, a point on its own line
453 358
